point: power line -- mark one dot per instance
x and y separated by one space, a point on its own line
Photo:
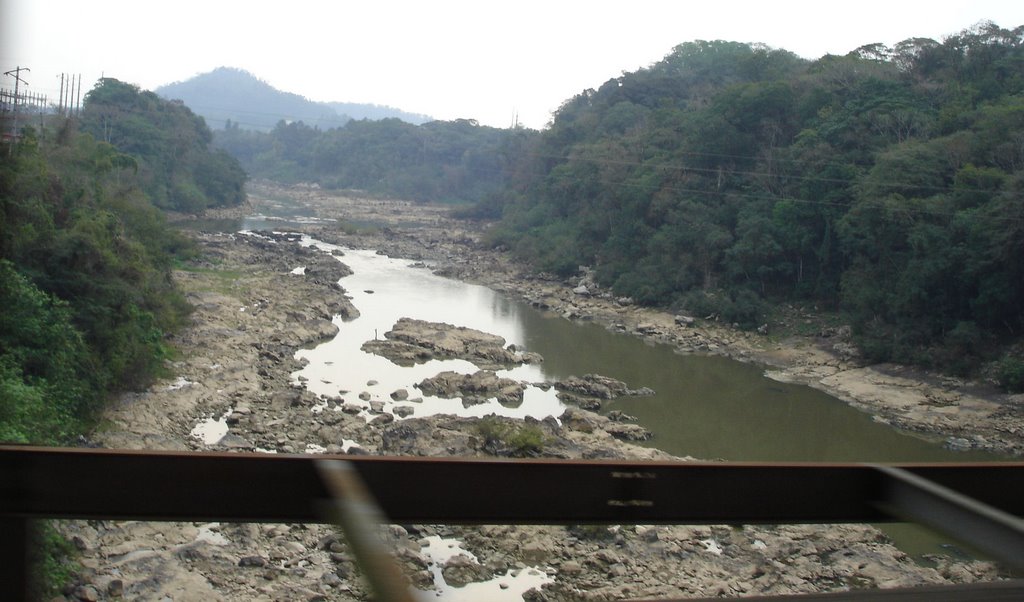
16 74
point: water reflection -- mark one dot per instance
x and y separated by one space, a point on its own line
705 406
385 290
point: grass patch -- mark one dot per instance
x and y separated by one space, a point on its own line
505 439
354 228
53 560
1010 374
786 320
214 279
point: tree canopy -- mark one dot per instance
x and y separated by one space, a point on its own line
176 165
445 161
886 183
85 283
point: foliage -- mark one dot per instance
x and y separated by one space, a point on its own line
53 560
168 145
86 294
46 377
455 161
510 438
592 532
1010 374
887 183
84 281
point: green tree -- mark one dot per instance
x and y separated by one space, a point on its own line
168 144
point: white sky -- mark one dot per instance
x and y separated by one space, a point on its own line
449 59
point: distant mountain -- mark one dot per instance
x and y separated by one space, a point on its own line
377 112
233 94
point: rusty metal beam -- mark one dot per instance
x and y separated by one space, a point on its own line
116 484
146 485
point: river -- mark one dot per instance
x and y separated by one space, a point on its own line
705 406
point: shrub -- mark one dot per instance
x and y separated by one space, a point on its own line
505 439
1010 374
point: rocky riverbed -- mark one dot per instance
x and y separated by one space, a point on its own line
968 415
253 310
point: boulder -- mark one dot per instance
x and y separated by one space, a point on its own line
461 570
473 388
416 341
627 432
593 385
232 441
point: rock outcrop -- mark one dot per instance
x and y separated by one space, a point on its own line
417 341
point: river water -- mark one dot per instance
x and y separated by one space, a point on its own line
708 407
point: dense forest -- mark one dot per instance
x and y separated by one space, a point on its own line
887 184
85 254
444 161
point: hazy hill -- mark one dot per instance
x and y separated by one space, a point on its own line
376 112
233 94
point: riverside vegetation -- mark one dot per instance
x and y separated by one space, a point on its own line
85 254
86 257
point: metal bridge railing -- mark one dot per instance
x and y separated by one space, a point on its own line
981 504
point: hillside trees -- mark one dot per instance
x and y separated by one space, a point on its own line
84 282
884 183
171 145
446 161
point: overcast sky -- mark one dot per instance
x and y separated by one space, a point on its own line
479 59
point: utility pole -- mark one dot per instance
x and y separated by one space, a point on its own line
60 103
16 74
78 101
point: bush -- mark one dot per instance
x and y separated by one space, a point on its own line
1010 374
741 306
505 439
526 440
53 559
46 381
592 532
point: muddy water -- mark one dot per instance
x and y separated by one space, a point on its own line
704 406
707 407
384 290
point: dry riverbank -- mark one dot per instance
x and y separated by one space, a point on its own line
236 359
